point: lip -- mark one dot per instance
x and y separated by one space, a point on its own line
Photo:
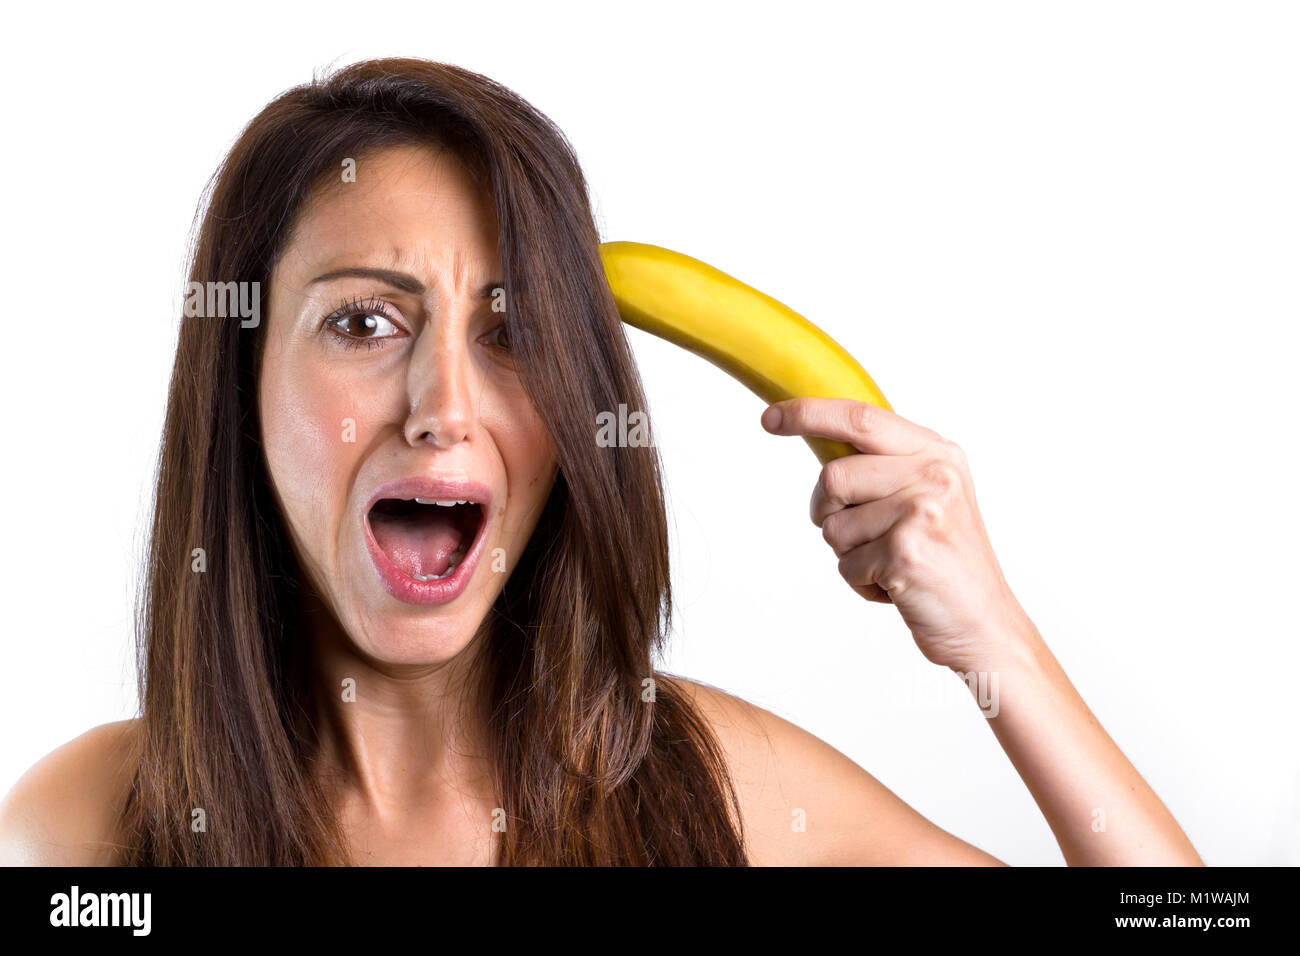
397 582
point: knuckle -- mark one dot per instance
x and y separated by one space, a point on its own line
892 582
906 553
943 475
865 417
796 409
831 529
834 481
955 452
928 512
847 567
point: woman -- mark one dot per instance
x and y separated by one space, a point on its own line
401 607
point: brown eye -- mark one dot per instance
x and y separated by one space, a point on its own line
364 325
500 336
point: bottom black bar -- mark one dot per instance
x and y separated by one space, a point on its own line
564 906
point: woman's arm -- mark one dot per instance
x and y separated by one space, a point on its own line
1100 809
901 516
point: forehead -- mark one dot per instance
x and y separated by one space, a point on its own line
410 207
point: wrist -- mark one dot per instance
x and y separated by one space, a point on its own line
1014 661
1014 647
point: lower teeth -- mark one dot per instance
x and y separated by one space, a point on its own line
455 560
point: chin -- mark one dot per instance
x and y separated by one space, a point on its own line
389 635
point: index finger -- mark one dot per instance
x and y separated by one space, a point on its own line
868 428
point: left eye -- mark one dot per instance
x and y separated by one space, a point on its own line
364 325
500 337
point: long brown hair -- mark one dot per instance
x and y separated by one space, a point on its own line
587 770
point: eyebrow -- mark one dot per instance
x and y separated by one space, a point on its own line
398 280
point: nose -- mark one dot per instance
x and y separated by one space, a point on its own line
439 388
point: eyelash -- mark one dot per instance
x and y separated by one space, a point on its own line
352 308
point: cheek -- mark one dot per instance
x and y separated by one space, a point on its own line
311 442
529 457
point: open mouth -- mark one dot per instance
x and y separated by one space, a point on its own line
424 538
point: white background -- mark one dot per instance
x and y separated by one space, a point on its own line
1064 235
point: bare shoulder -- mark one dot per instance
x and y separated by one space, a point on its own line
803 803
64 810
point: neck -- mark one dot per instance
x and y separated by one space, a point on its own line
394 738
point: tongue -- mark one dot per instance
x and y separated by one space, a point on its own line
418 544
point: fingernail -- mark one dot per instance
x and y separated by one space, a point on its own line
772 418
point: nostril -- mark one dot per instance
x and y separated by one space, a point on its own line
443 423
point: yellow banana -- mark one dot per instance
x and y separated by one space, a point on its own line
770 348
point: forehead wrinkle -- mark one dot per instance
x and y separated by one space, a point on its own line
421 262
459 268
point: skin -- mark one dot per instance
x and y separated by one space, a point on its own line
403 762
432 390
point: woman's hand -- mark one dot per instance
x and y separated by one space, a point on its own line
902 518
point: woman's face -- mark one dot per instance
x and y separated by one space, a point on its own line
387 394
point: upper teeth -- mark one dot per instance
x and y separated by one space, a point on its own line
444 504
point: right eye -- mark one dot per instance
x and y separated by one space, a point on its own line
368 326
357 322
